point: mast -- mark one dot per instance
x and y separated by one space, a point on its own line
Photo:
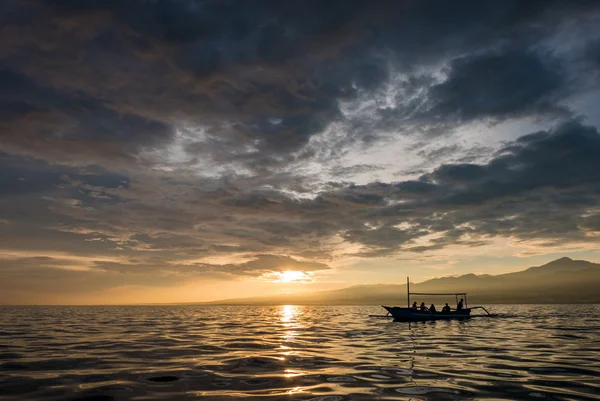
407 292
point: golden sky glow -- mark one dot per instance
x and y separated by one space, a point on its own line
183 159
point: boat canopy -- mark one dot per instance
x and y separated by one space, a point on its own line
410 314
439 293
456 294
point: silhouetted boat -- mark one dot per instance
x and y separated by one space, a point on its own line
409 314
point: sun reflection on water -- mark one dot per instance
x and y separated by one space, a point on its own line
296 390
288 313
291 324
292 373
289 320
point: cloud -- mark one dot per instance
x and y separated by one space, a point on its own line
157 137
262 264
538 186
497 85
76 276
259 265
342 171
110 79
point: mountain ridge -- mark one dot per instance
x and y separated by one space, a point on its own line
555 282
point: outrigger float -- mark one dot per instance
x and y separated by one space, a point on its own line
409 314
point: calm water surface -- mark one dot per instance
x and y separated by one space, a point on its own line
314 353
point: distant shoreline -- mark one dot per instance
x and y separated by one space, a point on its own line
279 304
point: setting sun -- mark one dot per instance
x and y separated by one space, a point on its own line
290 276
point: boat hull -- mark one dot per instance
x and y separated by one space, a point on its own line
412 315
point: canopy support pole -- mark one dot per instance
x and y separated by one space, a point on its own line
407 292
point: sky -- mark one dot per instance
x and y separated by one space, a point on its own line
183 150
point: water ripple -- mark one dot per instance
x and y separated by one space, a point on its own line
307 353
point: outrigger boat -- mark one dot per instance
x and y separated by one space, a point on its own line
409 314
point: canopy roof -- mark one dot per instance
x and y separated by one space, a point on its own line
439 293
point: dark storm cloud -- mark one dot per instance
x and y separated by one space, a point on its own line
592 51
27 176
247 37
34 195
71 117
592 59
498 85
538 187
542 186
260 77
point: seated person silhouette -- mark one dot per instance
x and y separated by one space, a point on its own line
459 306
414 306
446 308
423 308
432 308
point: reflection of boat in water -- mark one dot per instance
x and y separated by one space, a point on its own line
409 314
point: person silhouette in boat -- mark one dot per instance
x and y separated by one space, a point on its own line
432 308
423 308
459 306
446 308
414 305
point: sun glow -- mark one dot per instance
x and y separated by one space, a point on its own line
290 276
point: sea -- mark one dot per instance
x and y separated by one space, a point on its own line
289 352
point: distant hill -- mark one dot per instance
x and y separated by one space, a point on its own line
562 281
